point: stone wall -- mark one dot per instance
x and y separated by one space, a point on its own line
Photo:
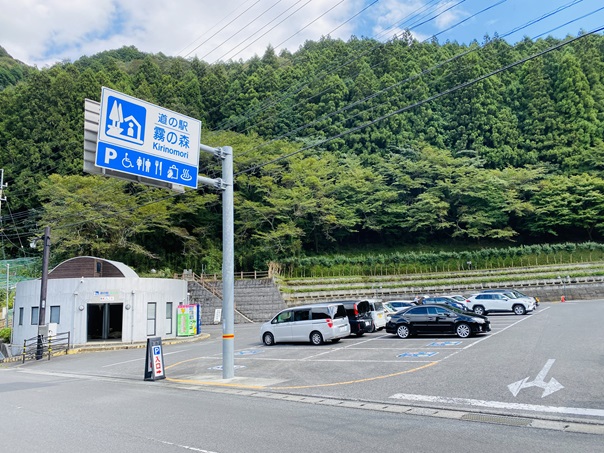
256 300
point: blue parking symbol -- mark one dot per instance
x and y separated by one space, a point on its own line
445 343
417 354
125 121
156 350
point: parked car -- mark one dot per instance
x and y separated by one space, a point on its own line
359 316
515 293
398 304
378 314
315 323
436 319
458 297
484 303
445 300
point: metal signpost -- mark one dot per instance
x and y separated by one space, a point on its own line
128 138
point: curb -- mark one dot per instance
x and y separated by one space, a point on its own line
116 346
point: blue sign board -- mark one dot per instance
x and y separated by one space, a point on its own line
143 139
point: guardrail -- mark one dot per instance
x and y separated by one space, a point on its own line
40 346
253 275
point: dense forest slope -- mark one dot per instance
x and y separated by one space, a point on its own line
386 143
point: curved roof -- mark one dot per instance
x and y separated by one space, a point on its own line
91 267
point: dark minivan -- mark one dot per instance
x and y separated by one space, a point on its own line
359 316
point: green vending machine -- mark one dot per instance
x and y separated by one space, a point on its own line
186 320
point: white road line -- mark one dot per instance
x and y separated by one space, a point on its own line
493 334
138 359
499 405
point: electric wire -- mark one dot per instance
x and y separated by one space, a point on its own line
419 103
409 79
267 104
242 29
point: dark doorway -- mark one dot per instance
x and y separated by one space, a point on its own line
104 322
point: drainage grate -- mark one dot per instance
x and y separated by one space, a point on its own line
499 419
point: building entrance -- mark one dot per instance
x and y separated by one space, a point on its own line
104 322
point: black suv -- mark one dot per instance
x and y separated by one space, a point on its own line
359 316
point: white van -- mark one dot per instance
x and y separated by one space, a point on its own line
378 314
315 323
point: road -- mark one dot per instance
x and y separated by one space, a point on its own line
375 392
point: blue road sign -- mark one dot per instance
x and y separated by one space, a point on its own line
143 139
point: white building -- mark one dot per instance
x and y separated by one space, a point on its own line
98 300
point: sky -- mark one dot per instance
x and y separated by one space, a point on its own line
43 32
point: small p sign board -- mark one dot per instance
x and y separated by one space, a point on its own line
154 363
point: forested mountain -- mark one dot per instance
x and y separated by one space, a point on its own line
339 143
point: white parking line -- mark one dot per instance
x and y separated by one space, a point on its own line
499 405
138 359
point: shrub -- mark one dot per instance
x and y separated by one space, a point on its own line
5 335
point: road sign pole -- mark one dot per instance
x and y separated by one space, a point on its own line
228 266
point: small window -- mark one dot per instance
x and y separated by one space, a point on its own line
286 316
341 312
418 311
169 317
55 314
99 267
151 310
323 312
301 315
20 316
35 316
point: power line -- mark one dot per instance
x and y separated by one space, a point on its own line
416 76
429 99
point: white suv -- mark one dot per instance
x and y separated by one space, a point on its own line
316 323
484 303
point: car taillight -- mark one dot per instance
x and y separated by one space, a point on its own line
329 322
356 311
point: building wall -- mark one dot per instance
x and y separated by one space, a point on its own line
73 295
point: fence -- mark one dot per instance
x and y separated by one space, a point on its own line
41 346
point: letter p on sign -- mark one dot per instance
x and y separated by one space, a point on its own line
110 154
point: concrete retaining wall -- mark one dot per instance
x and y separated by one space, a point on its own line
256 300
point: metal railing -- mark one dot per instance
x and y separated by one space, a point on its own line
40 346
252 275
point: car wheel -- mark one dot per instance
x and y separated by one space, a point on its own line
479 310
316 338
463 330
373 329
268 339
402 331
519 309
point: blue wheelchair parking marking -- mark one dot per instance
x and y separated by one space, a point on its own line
248 352
417 354
219 367
445 343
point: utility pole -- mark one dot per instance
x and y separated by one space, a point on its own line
43 291
3 198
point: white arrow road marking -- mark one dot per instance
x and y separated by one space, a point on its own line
548 387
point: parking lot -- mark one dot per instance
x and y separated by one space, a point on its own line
545 364
548 362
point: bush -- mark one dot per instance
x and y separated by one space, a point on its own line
5 335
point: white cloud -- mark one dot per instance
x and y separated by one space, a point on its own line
43 32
